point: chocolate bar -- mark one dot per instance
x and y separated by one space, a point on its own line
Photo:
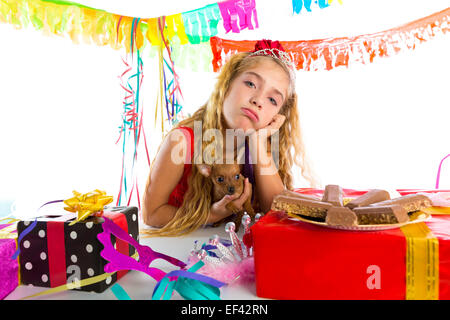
411 202
300 206
290 193
333 195
381 215
372 196
341 216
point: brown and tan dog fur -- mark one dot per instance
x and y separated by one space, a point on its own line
228 180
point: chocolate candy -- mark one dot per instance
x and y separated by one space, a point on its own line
294 194
372 196
381 214
411 202
333 194
300 206
341 216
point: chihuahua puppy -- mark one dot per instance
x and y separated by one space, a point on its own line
228 180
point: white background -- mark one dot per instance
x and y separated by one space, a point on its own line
380 125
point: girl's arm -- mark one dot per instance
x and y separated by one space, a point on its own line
267 180
167 170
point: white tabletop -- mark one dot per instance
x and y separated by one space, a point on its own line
139 285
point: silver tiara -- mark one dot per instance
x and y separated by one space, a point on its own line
280 55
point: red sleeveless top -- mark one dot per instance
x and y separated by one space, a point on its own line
177 195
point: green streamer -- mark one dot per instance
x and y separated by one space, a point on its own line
119 292
68 3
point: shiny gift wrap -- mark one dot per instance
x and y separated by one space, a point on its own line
56 252
298 260
8 267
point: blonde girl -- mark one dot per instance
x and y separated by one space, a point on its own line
255 92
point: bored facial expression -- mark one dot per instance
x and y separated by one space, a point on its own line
256 96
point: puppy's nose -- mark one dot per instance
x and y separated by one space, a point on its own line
230 189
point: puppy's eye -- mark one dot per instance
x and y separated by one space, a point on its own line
237 177
220 179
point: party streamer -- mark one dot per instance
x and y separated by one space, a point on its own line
195 287
298 5
201 24
439 171
132 118
242 11
119 292
93 26
326 54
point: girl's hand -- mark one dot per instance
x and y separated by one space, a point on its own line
275 124
219 209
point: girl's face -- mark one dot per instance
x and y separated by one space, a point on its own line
256 96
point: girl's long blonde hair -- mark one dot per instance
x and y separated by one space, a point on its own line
194 211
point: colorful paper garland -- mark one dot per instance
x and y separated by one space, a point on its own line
298 5
326 54
90 25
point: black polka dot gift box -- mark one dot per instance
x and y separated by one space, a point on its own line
55 253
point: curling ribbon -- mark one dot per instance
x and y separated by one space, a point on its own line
22 235
117 261
121 262
439 171
119 292
8 229
422 262
77 284
132 116
190 285
87 204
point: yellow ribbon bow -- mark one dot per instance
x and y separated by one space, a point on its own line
87 204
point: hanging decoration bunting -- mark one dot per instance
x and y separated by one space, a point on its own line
94 26
326 54
242 11
298 5
201 24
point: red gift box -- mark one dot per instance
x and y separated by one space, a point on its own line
298 260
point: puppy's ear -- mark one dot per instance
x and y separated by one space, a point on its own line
205 169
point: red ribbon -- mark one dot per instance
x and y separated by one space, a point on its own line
57 250
56 253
